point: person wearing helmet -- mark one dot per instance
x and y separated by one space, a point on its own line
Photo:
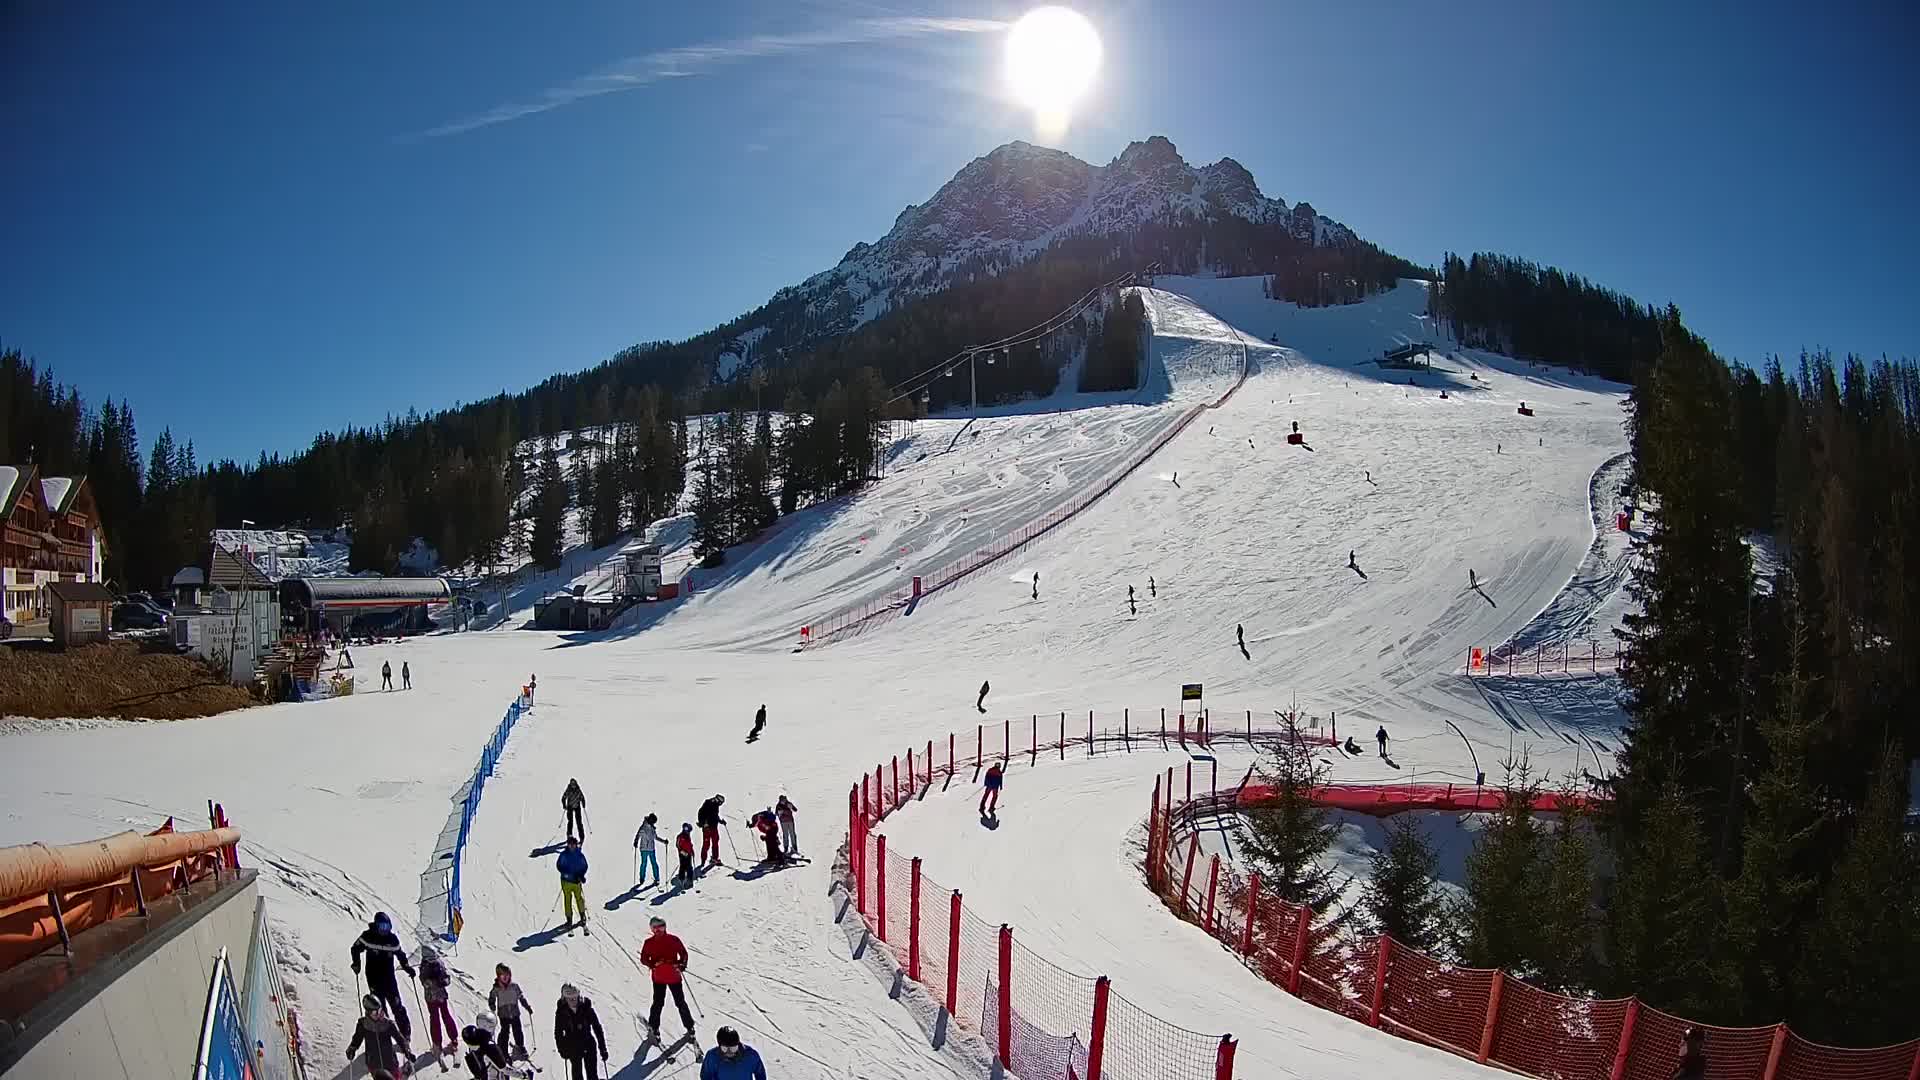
382 950
577 1033
573 802
683 846
434 981
386 1044
483 1054
666 958
710 822
731 1059
1693 1056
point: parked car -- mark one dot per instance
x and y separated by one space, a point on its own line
6 628
135 616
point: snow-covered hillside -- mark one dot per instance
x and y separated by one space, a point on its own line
342 801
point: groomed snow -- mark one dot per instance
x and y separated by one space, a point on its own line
341 801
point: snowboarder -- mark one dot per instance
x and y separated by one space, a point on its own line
982 703
730 1059
666 958
385 1040
990 798
710 822
484 1059
1693 1056
789 836
1153 591
572 865
759 722
1036 584
386 674
434 980
573 802
1381 738
644 841
382 949
406 676
1132 608
577 1033
768 827
683 846
506 999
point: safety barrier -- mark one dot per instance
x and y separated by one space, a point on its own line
1541 660
1483 1014
1041 1020
489 757
884 608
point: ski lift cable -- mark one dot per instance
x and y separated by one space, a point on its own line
1020 337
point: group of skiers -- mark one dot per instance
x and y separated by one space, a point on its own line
496 1040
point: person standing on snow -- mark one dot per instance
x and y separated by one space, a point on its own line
990 798
666 958
710 822
406 676
484 1056
434 981
789 837
577 1033
385 1040
768 827
506 999
683 845
382 949
572 865
1152 590
1381 738
981 704
573 802
1132 608
386 674
759 722
1036 584
1693 1056
644 842
730 1059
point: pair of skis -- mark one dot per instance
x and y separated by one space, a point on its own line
669 1052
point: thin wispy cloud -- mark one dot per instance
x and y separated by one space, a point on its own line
636 72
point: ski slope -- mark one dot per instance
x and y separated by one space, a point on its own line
341 801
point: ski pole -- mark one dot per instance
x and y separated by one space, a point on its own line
692 1000
427 1021
728 829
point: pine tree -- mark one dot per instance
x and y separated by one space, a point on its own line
1498 919
1566 908
549 526
1401 899
1663 916
710 538
1286 834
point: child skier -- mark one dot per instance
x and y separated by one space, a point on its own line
434 981
683 846
572 865
769 829
484 1058
990 798
506 999
644 842
386 1044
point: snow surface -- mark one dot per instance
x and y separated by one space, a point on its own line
341 801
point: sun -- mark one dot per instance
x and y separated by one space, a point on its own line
1053 54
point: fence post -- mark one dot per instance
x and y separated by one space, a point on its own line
1213 887
1382 963
1097 1041
1775 1051
949 754
953 951
913 924
880 883
1189 780
1493 1015
1089 732
1126 729
1186 879
1253 904
1223 1063
879 789
913 778
1300 931
1033 740
1625 1048
1215 782
1180 731
1153 833
979 745
1006 995
1063 736
1249 727
895 805
1163 727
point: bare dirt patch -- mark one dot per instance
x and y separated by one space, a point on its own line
128 680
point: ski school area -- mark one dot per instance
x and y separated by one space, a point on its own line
1083 560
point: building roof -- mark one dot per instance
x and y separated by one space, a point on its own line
190 575
80 592
230 571
9 479
59 491
393 590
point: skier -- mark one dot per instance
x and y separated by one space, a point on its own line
1153 591
572 865
1240 635
990 798
1381 738
434 980
533 683
666 958
1351 564
506 999
710 822
386 674
382 948
1693 1056
485 1059
1132 608
982 703
759 721
577 1033
1036 584
406 676
386 1041
1473 580
769 829
643 842
789 836
683 846
730 1059
573 802
1352 748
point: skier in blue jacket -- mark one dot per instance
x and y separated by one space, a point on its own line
572 865
731 1060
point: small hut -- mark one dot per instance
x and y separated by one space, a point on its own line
81 612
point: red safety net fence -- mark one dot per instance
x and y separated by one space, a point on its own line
1042 1021
1588 657
1482 1014
879 610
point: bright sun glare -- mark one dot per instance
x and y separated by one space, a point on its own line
1052 55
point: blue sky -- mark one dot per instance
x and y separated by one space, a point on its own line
261 220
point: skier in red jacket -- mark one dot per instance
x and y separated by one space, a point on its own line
666 958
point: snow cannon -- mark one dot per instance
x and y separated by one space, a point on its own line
1524 411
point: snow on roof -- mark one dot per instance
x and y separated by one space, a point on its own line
9 476
55 488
